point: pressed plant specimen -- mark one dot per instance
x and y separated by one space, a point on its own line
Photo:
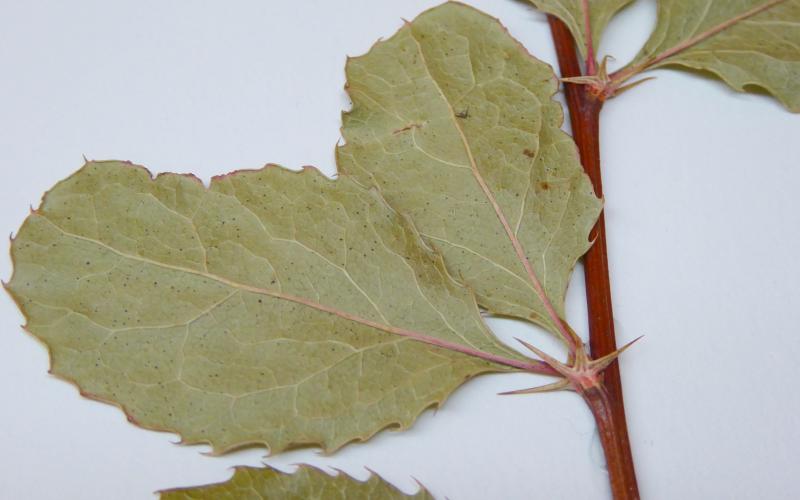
285 309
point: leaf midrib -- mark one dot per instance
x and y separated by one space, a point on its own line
662 58
538 289
532 366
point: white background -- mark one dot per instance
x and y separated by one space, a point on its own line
702 192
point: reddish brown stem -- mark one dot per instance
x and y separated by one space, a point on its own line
584 111
617 451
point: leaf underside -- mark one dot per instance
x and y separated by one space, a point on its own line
571 12
170 300
308 483
452 95
762 51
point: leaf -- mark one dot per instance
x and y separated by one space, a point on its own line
274 308
455 123
746 43
307 483
573 14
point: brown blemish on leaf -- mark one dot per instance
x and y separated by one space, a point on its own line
408 127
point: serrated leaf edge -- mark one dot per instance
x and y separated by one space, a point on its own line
327 448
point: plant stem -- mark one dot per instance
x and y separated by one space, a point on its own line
607 407
617 452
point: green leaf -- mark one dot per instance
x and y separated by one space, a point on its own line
573 13
308 483
455 123
747 43
275 307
